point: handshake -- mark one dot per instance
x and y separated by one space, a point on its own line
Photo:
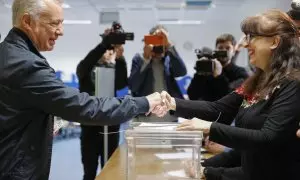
160 103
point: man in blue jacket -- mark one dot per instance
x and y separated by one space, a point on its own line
30 93
156 71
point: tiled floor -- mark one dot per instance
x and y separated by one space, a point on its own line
66 158
66 162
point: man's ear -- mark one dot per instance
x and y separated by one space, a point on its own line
26 21
275 43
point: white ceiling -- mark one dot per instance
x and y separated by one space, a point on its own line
81 9
139 16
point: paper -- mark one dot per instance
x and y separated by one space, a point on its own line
178 173
170 156
157 126
189 150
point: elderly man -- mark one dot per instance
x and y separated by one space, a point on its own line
30 93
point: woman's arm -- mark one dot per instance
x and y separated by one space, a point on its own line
280 125
223 110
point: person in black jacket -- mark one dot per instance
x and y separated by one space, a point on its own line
294 13
92 138
265 107
225 79
31 94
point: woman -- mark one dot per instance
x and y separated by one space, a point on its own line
266 107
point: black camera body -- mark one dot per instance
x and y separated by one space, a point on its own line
158 49
118 35
294 12
204 64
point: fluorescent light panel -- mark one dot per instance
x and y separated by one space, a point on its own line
66 6
198 2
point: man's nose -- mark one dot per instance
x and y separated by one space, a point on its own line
60 31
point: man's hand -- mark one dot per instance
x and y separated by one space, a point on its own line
165 34
153 100
195 125
104 39
168 101
119 51
107 31
240 44
218 68
148 52
298 133
109 57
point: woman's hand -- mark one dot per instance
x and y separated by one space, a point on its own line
195 124
213 147
190 169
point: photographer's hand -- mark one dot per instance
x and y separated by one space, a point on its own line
218 68
105 40
108 57
147 52
240 44
165 34
119 51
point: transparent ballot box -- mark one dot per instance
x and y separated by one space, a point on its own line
156 151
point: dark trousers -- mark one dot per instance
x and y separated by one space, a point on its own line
92 147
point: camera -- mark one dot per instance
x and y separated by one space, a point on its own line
294 12
158 42
118 35
204 64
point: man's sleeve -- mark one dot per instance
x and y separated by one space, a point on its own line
177 65
121 79
42 90
199 88
137 76
85 66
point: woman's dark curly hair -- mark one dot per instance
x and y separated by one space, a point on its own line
285 59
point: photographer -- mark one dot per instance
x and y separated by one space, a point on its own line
294 13
92 138
156 69
226 76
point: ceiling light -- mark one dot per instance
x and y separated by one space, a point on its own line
169 5
65 6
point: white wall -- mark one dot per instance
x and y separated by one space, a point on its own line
79 39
